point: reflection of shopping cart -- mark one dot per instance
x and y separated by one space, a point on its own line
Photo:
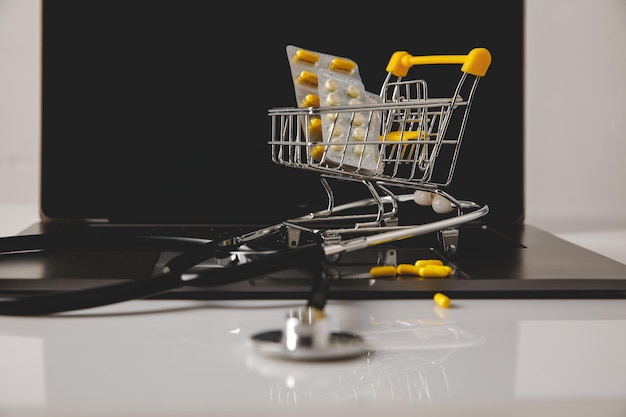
410 142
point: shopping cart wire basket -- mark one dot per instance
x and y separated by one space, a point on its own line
407 148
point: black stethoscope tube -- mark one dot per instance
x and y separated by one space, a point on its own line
175 274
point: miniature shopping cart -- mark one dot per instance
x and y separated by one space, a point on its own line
407 152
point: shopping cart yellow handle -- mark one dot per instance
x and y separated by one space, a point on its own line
476 62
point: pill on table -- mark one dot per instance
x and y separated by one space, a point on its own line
434 271
342 65
407 269
383 271
442 300
306 56
423 262
331 85
308 78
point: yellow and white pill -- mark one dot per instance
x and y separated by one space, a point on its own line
442 300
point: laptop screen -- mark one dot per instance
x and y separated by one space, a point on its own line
157 111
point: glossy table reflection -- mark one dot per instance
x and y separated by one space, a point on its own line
189 356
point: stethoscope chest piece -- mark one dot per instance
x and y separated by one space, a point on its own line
306 336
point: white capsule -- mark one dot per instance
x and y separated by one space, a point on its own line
354 102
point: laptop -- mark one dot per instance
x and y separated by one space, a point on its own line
155 123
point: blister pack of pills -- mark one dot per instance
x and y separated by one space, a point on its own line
351 135
305 65
322 79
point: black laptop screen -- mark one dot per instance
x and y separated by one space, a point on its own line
157 111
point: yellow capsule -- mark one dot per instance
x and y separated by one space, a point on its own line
315 125
317 152
442 300
423 262
342 65
307 77
307 56
434 271
383 271
407 269
311 100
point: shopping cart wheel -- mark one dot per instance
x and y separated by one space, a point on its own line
449 239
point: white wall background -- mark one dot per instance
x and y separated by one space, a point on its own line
575 111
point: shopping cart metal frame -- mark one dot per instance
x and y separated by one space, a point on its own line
413 132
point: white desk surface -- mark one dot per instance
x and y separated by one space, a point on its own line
192 358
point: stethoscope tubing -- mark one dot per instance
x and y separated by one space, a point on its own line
175 275
179 271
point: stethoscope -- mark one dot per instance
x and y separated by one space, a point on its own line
305 334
